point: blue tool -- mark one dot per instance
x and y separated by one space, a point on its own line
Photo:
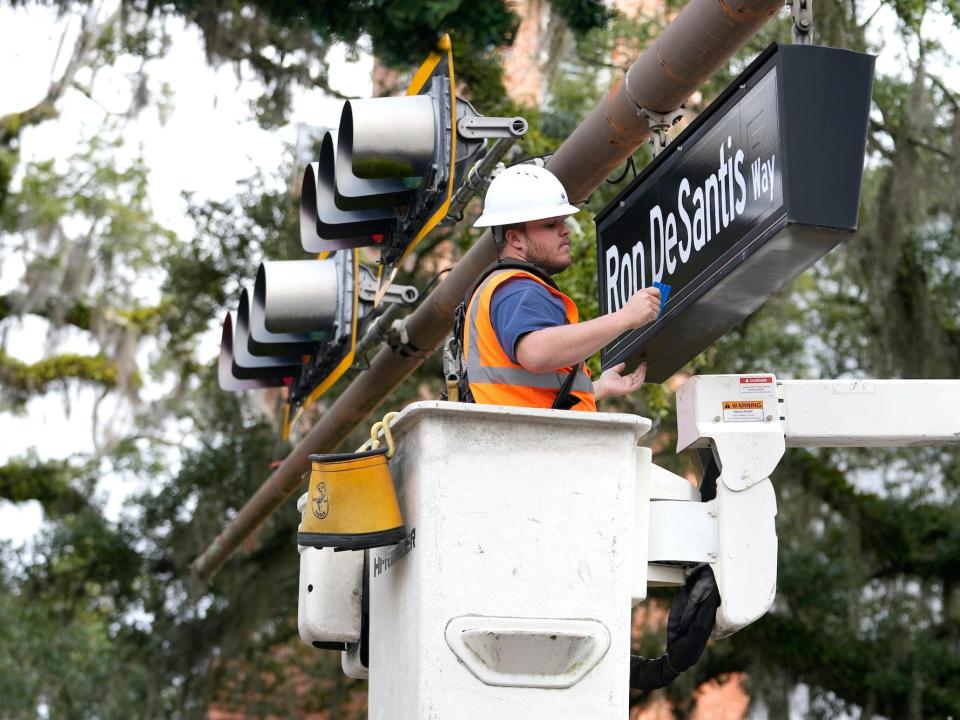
664 294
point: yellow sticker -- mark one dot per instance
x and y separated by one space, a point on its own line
743 410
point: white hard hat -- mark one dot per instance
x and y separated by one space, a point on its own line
524 192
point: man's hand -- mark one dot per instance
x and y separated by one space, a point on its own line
641 309
612 384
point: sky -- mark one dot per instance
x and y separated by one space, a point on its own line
207 144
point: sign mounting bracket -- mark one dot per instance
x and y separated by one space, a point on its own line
658 122
801 11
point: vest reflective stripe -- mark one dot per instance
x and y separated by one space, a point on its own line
514 376
493 377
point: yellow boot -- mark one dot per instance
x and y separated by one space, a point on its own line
351 503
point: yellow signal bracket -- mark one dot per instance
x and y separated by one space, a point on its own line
440 61
290 417
444 50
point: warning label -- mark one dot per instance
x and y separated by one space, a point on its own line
757 385
743 410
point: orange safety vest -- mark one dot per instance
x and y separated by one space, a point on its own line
497 380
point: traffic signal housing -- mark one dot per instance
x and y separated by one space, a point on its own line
298 329
300 326
386 177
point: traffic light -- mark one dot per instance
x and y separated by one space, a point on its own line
251 369
393 170
320 217
300 304
388 175
299 327
234 377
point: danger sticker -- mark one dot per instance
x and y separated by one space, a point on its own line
743 410
756 385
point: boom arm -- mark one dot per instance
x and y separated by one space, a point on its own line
747 422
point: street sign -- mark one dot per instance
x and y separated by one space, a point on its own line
759 187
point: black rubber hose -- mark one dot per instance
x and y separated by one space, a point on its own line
692 617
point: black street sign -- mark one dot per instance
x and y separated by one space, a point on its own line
759 187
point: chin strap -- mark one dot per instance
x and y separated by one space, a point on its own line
692 617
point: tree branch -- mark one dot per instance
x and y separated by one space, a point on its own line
79 315
21 381
951 97
931 148
46 482
91 34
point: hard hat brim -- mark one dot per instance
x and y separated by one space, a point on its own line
517 216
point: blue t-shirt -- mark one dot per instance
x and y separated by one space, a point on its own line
519 306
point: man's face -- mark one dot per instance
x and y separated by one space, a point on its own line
547 244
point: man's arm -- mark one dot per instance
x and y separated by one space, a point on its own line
555 347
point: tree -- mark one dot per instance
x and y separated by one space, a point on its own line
867 616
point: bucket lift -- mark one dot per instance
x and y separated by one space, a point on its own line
532 533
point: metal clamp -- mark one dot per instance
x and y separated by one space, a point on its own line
397 297
368 287
377 328
480 127
451 371
801 12
658 122
399 341
506 131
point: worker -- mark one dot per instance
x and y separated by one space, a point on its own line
523 343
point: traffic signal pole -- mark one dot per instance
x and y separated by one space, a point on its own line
695 45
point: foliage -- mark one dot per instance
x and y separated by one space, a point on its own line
22 381
49 483
868 611
85 236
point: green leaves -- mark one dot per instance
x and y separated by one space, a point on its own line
47 482
21 381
